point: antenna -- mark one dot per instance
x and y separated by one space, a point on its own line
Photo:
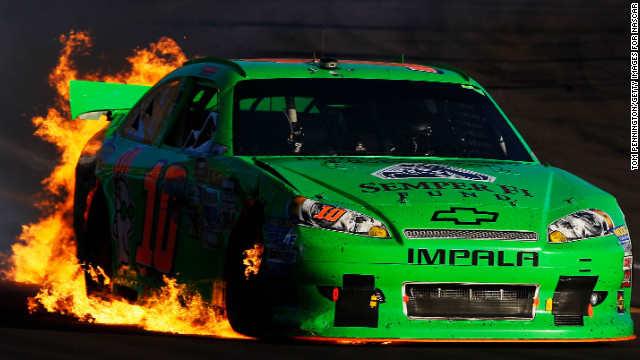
322 55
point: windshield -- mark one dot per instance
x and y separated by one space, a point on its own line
370 117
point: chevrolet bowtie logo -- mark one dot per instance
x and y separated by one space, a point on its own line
464 216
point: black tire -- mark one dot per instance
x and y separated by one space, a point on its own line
96 249
246 299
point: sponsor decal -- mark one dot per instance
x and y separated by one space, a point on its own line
430 171
412 67
625 241
622 233
626 280
193 212
211 217
203 213
436 189
620 302
280 240
228 184
465 216
463 257
210 196
200 170
278 232
226 220
208 70
218 180
282 256
330 213
423 68
218 200
228 201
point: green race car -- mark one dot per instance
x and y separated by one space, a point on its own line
351 199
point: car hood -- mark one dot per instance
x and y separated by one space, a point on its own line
433 193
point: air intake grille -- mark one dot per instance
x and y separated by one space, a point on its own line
470 234
568 320
469 301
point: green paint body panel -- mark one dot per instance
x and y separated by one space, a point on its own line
199 197
90 96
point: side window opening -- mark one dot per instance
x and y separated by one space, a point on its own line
144 119
197 120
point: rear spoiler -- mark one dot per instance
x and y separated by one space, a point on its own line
91 99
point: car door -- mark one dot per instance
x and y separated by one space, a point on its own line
205 209
147 185
160 203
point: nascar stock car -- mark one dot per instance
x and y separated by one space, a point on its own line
383 200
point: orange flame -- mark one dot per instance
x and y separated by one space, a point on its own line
252 260
49 244
150 65
45 251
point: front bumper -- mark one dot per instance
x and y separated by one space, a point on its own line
313 313
338 299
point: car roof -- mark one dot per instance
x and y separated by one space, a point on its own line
269 68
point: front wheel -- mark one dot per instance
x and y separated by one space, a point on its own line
246 294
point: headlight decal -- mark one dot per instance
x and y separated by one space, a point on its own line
330 213
580 225
325 216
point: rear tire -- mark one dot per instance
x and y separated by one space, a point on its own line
97 247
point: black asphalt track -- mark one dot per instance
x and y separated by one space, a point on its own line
559 70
